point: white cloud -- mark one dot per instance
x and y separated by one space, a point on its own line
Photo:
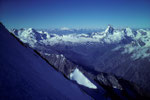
64 28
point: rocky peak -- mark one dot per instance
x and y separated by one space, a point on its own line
109 29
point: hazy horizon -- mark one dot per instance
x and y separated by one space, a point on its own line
69 29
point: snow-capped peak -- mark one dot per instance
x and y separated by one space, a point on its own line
110 35
128 29
109 29
129 32
31 30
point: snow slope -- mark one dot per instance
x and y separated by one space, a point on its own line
81 79
24 75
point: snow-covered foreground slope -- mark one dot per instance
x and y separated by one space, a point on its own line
24 75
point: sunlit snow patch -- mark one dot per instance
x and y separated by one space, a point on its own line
81 79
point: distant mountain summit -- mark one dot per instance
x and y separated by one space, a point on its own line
109 29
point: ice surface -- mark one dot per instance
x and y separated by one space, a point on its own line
81 79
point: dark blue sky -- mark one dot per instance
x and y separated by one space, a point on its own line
75 13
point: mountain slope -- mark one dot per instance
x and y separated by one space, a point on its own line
26 76
124 53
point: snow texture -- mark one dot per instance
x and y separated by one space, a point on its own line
81 79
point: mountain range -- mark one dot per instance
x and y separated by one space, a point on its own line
121 52
109 64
